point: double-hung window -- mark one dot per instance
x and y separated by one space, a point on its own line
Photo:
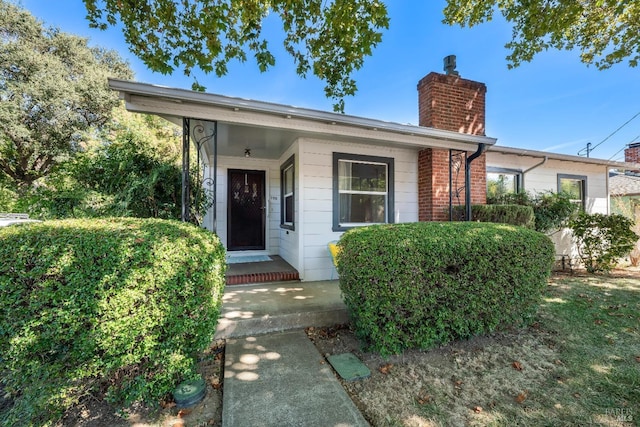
287 181
362 190
575 186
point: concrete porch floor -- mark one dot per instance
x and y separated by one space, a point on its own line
271 307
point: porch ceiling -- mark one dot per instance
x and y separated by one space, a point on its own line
234 139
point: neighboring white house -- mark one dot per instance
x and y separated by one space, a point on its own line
288 180
538 171
624 188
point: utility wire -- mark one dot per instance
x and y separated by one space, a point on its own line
615 131
635 139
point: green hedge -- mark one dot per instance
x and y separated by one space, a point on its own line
116 304
423 284
502 214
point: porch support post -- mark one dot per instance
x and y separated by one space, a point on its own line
215 177
186 139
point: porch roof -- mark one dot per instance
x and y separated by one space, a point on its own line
268 129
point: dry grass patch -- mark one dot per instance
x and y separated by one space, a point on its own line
577 365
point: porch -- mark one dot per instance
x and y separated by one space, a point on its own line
277 179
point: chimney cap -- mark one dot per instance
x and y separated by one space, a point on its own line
634 145
450 65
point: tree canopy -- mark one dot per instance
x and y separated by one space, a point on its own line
605 32
53 89
331 39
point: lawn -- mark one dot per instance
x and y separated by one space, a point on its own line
578 364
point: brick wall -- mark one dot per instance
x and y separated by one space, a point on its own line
451 103
433 184
479 181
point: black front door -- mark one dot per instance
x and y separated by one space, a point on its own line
246 210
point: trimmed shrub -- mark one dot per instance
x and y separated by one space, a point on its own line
423 284
122 305
501 214
551 210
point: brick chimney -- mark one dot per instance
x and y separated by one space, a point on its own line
448 102
632 154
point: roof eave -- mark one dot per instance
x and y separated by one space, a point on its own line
127 88
563 157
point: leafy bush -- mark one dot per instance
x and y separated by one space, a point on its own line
602 239
124 178
116 304
132 169
7 198
553 210
142 184
502 214
423 284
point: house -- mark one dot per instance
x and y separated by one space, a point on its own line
624 187
286 181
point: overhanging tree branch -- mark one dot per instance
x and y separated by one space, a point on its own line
328 39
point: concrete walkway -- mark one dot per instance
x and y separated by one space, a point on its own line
281 380
273 374
263 308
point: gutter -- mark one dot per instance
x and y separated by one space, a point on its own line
561 157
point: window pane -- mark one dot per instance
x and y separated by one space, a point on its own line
288 209
355 176
573 187
362 208
344 175
499 184
288 180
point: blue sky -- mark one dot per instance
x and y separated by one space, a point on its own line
554 103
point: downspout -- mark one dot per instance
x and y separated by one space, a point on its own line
467 179
524 172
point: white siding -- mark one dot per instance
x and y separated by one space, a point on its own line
316 201
545 178
289 240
